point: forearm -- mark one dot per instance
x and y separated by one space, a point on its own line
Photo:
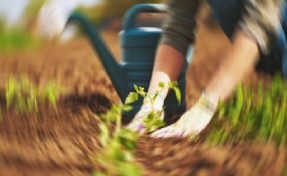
168 65
178 34
238 61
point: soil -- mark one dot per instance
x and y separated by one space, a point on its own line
60 141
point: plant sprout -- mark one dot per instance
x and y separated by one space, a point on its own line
117 156
153 121
21 95
50 93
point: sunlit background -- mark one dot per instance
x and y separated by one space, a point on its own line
18 24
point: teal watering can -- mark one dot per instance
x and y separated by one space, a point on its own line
139 46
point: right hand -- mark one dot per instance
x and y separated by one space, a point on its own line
52 19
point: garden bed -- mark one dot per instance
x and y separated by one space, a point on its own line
61 140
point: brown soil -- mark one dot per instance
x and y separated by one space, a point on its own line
60 141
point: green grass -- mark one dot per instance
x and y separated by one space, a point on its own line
253 115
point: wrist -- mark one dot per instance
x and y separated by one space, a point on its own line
208 105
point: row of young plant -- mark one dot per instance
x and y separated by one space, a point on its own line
24 97
259 114
118 143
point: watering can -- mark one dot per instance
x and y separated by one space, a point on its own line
139 46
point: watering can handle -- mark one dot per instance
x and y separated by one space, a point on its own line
130 17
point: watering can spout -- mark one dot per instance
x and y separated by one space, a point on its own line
113 69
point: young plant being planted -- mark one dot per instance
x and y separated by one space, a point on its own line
119 144
23 96
153 120
117 155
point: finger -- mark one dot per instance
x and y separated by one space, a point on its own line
173 133
162 132
158 133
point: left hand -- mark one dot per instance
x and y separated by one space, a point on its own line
191 123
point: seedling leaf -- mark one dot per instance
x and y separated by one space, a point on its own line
104 134
126 108
177 94
132 97
161 85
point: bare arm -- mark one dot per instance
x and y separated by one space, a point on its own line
178 34
168 66
238 61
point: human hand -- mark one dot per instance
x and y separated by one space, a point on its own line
191 122
52 19
141 122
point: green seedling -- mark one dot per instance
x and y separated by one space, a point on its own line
23 96
117 155
153 121
50 93
119 144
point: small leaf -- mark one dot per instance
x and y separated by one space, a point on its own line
128 138
177 94
172 84
126 108
132 97
142 93
161 85
129 169
128 134
136 87
159 123
118 154
104 134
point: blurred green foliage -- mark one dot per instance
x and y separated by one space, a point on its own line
111 8
24 97
16 39
253 114
19 37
